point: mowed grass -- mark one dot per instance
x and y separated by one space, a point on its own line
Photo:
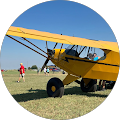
32 95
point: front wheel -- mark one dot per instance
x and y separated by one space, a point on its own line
55 87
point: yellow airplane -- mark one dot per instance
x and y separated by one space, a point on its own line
106 68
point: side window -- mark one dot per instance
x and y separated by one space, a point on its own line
98 54
85 52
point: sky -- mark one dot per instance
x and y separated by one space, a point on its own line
60 17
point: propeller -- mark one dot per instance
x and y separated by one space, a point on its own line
47 60
50 53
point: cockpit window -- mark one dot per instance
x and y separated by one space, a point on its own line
85 52
75 50
71 52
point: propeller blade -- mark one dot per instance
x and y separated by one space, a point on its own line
47 60
50 52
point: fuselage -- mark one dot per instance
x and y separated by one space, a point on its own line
106 69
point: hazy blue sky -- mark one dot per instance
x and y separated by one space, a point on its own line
61 17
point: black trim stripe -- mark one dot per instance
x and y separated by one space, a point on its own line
67 58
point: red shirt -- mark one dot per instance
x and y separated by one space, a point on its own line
22 67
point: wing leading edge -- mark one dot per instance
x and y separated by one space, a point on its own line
46 36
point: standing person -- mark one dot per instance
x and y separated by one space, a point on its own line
103 85
38 71
22 72
45 71
48 71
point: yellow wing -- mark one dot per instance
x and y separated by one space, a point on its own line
34 34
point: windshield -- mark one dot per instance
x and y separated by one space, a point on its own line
71 52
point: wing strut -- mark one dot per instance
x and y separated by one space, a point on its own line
34 45
26 46
55 45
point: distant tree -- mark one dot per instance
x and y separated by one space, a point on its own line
34 67
29 68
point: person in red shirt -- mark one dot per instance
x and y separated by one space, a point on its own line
22 72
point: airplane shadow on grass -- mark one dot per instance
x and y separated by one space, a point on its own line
39 94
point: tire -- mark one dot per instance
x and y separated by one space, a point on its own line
110 85
91 86
58 87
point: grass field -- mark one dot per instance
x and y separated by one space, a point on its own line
32 95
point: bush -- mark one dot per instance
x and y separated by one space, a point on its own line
34 67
